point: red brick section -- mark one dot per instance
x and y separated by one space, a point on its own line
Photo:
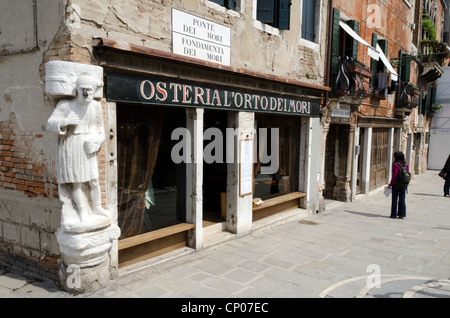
20 169
31 267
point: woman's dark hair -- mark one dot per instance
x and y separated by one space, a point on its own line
399 156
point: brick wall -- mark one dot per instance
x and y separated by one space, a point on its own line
20 169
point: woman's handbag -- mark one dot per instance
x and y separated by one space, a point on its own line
443 174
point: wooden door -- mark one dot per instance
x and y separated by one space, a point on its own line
379 158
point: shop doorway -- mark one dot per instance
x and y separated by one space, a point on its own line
379 158
151 187
277 166
215 123
336 162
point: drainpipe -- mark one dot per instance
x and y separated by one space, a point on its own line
36 45
330 37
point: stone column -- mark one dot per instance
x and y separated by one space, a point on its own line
354 163
194 177
239 208
325 121
87 230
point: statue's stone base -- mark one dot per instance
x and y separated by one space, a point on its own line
75 279
84 266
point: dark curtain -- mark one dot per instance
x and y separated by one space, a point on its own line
139 136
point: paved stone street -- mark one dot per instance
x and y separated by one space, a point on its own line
350 250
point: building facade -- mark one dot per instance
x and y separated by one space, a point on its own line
133 130
383 83
210 121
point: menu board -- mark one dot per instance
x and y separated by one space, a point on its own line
246 167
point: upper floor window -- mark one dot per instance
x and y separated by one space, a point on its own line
274 12
229 4
309 20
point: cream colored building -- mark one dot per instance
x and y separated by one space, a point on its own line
244 66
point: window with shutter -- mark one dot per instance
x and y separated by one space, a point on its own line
230 4
384 47
335 48
283 13
308 19
373 62
265 11
405 67
274 12
351 45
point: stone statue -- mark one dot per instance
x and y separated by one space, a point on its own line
79 123
88 232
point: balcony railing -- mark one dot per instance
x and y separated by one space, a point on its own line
408 96
352 80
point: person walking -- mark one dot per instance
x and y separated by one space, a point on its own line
398 205
447 178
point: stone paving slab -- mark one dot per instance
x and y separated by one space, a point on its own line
329 255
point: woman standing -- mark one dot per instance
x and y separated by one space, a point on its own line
447 178
398 192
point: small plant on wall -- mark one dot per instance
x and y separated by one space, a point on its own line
436 107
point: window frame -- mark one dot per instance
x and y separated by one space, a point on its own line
315 44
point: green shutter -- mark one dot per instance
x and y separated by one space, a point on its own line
283 14
373 62
335 47
405 67
421 102
308 19
230 4
432 98
428 102
384 47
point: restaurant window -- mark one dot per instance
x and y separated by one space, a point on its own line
274 12
284 177
151 187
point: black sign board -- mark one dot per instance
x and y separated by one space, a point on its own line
147 90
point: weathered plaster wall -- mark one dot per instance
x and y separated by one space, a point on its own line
29 208
390 20
148 23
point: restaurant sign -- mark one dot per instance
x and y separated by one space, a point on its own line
146 90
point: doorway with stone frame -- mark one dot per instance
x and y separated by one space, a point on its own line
337 168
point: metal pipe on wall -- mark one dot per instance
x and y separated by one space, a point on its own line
330 36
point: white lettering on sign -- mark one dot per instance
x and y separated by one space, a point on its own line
199 38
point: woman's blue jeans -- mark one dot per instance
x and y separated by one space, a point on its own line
398 205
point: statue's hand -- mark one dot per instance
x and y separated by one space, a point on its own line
71 119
